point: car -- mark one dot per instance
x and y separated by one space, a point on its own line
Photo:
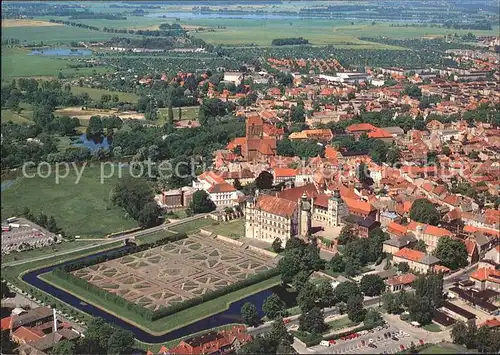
379 338
294 327
286 320
363 343
401 346
370 341
372 345
385 336
421 342
332 342
324 343
395 338
343 338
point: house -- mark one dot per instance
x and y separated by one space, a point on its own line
458 313
393 245
233 77
362 226
254 146
244 176
429 234
491 323
416 260
214 342
400 282
320 135
486 278
284 174
396 230
219 191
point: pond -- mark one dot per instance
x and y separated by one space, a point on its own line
72 52
231 315
92 142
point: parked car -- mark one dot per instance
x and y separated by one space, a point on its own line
372 345
332 342
324 343
286 320
395 338
401 346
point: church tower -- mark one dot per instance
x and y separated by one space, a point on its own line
336 209
304 217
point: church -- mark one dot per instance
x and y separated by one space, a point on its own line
256 145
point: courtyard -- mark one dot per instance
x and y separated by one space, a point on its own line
175 272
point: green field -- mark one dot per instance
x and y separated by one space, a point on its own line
233 229
169 323
17 63
95 94
446 348
79 209
20 118
192 226
188 113
432 327
55 34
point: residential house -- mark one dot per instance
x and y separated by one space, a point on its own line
486 278
400 282
429 234
417 260
219 191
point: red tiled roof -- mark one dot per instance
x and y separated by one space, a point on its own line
26 334
492 323
276 205
220 188
321 200
5 323
296 193
472 229
483 273
410 254
404 279
163 350
396 229
430 230
284 172
358 206
360 127
440 268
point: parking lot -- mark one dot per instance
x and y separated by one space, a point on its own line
361 345
25 235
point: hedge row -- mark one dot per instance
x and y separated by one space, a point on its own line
65 273
122 252
307 338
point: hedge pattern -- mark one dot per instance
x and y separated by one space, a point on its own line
147 314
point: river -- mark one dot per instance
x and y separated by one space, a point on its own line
231 315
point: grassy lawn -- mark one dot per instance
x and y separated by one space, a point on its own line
17 63
81 208
95 94
19 118
192 226
234 229
432 327
54 34
168 323
340 323
151 238
188 113
446 348
65 245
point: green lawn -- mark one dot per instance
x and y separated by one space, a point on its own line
19 118
95 94
55 34
151 238
446 348
234 229
432 327
29 254
340 323
192 226
81 208
188 113
168 323
17 63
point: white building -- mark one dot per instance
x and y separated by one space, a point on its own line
220 192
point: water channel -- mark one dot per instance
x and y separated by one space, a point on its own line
231 315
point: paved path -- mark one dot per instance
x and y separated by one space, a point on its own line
110 240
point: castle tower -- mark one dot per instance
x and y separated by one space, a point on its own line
336 209
250 222
304 217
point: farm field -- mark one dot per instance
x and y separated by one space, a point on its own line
95 94
79 209
54 34
17 63
27 23
176 272
20 118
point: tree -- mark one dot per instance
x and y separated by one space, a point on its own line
346 235
64 347
391 303
372 285
279 332
5 292
421 310
346 290
355 310
149 215
52 225
483 339
471 341
180 114
133 195
264 181
300 279
352 267
363 174
372 318
431 286
326 297
273 307
170 118
201 202
424 211
249 314
277 245
99 330
337 263
237 184
121 341
313 321
420 246
306 298
403 267
95 127
285 347
452 253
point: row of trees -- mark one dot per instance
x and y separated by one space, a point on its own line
289 41
42 220
484 339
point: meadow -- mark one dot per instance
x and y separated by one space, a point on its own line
81 208
54 34
188 113
95 94
17 63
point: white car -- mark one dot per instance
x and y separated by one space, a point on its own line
294 327
324 343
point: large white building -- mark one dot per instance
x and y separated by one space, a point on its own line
220 192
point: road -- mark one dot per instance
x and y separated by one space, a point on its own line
100 242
